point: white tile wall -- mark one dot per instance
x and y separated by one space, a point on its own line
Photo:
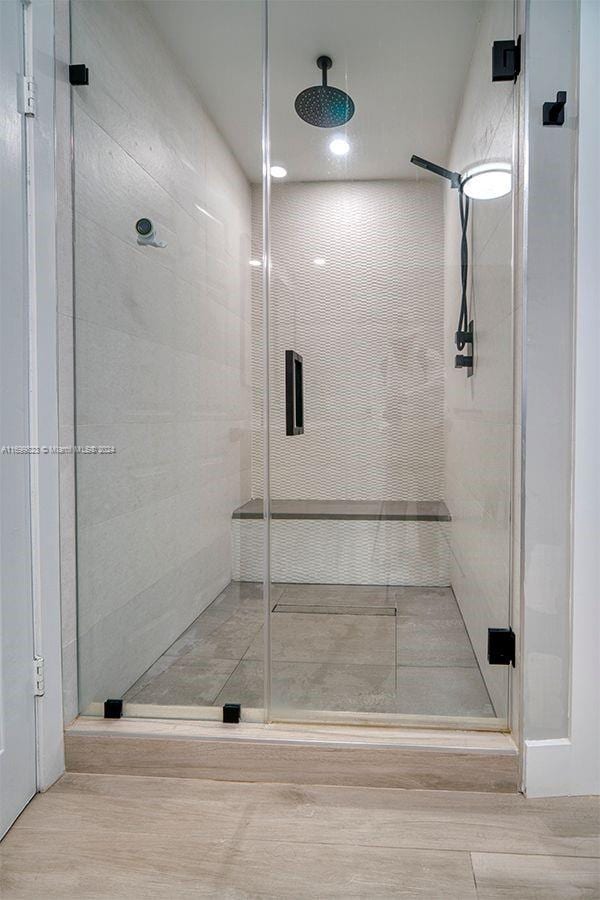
479 410
162 345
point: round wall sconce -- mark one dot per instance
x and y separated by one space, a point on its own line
487 181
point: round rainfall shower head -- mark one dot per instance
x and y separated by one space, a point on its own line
323 105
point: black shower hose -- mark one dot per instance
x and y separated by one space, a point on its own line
463 320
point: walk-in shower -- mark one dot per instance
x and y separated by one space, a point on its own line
308 510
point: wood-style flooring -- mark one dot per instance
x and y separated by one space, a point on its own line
107 836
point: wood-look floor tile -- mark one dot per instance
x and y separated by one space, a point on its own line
500 876
87 864
328 815
429 819
125 804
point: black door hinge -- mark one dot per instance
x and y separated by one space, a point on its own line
232 713
113 709
79 74
506 60
501 647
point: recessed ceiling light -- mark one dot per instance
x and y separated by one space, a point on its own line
319 261
339 146
487 181
278 172
255 263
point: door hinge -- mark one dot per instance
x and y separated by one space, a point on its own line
38 676
232 713
79 74
113 709
506 60
501 647
27 96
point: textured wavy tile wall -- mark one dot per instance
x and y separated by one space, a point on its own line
327 552
369 323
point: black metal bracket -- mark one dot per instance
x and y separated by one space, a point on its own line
113 709
506 60
465 360
463 337
232 713
501 647
553 113
79 74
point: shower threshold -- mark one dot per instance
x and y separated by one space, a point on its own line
368 756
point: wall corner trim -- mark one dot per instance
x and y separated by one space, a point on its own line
553 768
546 768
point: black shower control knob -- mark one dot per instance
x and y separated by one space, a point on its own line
463 362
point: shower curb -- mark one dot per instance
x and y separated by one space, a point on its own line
347 756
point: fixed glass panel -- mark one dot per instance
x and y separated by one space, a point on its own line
167 151
391 229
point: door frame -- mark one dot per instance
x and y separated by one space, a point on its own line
34 37
43 386
538 777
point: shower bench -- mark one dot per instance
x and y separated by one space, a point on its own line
344 541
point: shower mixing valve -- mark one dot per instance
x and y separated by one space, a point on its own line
146 234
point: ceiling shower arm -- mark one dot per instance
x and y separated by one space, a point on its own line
453 177
324 63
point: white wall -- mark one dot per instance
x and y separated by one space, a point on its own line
479 410
368 324
551 65
568 761
162 344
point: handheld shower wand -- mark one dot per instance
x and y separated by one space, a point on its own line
453 177
464 335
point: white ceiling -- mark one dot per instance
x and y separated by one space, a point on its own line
404 63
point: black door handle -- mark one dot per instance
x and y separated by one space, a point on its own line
294 393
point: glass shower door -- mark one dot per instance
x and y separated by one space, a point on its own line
390 442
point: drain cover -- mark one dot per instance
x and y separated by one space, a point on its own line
337 610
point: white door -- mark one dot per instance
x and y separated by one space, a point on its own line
17 702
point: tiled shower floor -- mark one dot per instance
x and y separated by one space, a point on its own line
334 647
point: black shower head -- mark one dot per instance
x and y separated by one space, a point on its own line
323 105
